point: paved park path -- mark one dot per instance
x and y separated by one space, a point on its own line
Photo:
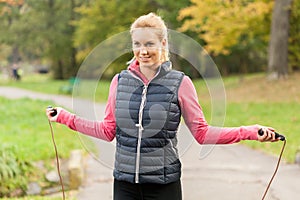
224 172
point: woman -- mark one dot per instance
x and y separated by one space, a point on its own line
143 113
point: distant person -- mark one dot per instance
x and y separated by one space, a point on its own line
143 112
17 72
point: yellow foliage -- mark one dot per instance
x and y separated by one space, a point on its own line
221 23
12 2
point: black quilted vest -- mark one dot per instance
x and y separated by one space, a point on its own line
147 118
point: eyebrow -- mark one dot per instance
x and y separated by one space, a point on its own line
148 41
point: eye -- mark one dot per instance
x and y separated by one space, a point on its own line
136 44
150 44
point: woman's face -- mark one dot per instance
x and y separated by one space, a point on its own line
147 47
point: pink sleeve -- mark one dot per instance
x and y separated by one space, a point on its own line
195 120
106 129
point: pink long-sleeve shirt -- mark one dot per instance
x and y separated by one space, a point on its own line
190 108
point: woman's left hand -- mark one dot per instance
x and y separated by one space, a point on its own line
268 135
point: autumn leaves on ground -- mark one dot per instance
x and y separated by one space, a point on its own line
260 89
257 88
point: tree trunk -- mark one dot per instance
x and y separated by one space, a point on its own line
16 54
73 49
278 46
58 72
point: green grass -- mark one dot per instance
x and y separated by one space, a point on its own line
25 128
25 124
37 82
281 116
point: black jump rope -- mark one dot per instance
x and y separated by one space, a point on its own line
260 132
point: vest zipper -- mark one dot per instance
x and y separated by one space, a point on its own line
140 132
139 125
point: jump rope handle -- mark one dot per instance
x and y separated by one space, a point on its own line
277 135
54 111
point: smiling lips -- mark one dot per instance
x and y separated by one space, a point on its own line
145 59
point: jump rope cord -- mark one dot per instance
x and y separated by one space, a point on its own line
276 169
57 161
62 185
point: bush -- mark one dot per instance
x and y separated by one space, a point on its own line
14 170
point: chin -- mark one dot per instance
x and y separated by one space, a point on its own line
146 64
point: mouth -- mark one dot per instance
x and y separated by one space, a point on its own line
145 59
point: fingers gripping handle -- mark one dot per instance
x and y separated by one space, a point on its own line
277 135
54 111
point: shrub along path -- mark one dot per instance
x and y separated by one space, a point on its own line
221 172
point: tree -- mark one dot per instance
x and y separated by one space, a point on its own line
234 31
10 13
222 24
278 48
57 33
294 37
41 30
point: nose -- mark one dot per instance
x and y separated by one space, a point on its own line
143 50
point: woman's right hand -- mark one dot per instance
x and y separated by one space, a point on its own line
50 110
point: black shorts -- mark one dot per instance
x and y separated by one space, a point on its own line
129 191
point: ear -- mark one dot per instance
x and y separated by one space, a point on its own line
164 42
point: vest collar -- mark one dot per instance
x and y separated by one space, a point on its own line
164 68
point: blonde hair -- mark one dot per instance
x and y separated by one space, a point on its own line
154 21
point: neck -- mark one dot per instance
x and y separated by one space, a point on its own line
149 71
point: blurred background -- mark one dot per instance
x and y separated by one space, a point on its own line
254 43
243 36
